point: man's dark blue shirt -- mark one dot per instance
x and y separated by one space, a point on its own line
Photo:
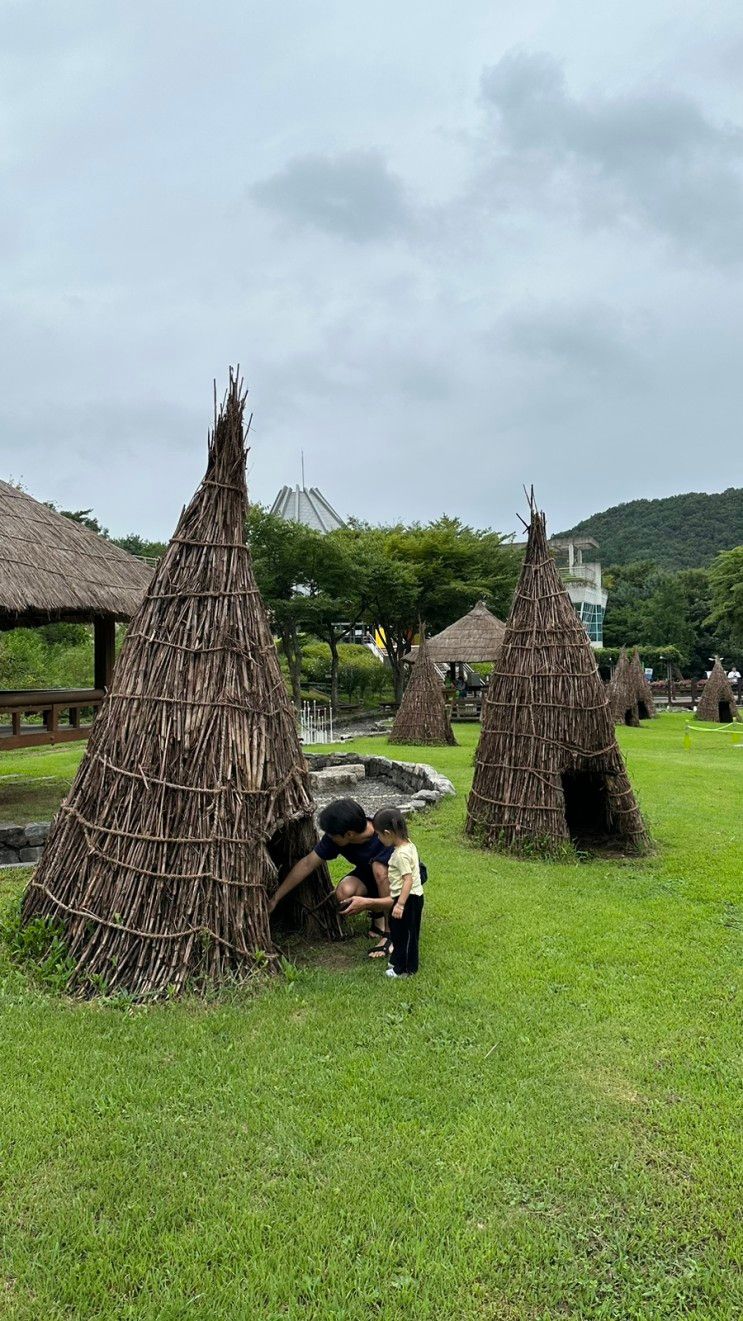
361 856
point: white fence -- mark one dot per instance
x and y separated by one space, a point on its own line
316 723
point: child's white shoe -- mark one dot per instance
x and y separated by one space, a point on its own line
390 972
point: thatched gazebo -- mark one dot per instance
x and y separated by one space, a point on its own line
53 570
622 693
643 692
422 716
476 637
193 797
717 702
548 770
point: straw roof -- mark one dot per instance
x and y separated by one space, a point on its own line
643 691
193 797
52 568
423 716
716 695
477 636
548 770
622 693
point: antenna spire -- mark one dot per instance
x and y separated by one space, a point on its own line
302 454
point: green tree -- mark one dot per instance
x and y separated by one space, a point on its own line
390 596
335 601
726 582
85 517
432 573
629 587
666 615
281 554
136 545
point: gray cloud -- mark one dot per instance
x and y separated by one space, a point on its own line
354 195
436 292
657 157
590 339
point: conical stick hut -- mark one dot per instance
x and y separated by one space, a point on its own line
622 693
717 702
644 699
193 796
422 716
548 769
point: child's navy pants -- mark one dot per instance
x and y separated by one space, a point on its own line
405 934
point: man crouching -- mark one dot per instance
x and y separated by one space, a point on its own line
348 831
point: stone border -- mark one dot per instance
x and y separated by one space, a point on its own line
22 844
421 784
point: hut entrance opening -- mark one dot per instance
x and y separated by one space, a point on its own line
587 814
642 711
724 713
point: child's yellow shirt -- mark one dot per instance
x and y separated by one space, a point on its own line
404 862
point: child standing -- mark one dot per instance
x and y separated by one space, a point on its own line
406 891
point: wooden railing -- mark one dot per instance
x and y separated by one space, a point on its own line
61 711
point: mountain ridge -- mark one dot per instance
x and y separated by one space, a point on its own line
675 532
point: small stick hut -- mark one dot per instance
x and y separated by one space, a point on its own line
623 693
548 769
422 716
193 796
717 702
643 692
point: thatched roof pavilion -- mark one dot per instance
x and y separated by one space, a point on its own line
54 570
548 770
622 693
193 796
476 637
422 716
717 702
643 691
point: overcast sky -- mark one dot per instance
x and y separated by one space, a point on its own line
455 247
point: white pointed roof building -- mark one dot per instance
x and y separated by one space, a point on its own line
307 505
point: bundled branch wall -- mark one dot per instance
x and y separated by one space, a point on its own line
717 702
423 716
193 796
548 754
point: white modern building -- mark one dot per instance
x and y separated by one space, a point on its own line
306 505
580 570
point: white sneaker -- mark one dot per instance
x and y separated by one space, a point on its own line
391 973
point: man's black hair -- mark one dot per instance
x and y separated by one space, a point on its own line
342 815
391 818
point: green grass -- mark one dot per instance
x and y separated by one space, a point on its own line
33 781
541 1125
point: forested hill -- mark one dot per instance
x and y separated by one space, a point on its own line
679 532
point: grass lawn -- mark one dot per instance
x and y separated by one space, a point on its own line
543 1124
33 781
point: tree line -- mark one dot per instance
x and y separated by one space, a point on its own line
387 579
697 611
321 588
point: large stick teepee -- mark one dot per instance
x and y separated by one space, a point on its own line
622 693
548 769
717 702
422 716
193 794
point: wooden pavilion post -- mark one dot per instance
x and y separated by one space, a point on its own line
104 632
